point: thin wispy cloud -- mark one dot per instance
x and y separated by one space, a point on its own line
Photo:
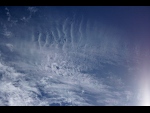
65 59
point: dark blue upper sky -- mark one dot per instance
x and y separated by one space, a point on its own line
134 20
121 16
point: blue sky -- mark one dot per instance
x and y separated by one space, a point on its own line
78 55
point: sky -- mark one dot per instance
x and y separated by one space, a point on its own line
74 55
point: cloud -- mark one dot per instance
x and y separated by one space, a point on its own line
10 47
32 9
62 62
7 33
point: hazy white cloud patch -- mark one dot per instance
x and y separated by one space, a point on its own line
10 47
7 33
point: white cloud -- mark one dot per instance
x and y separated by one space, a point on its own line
10 47
56 75
32 9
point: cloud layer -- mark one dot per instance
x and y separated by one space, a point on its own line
63 60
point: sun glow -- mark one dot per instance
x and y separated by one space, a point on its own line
145 90
145 99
